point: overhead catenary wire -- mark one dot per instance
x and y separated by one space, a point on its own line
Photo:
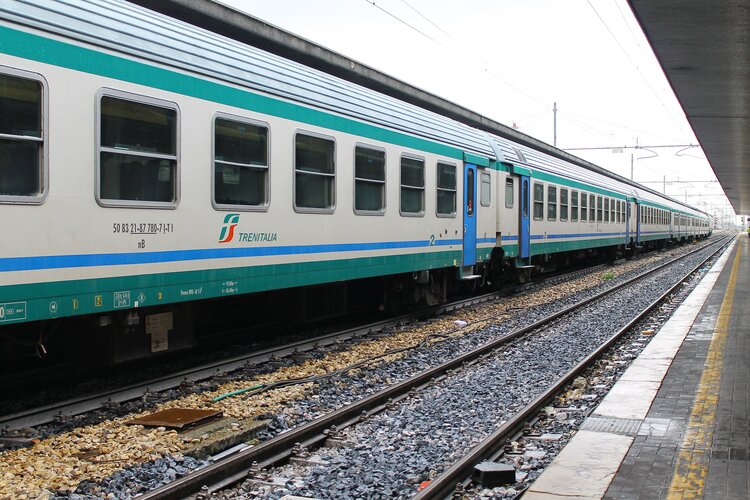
625 127
637 68
465 57
427 19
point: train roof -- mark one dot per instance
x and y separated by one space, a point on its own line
129 29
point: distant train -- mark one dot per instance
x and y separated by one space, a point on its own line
153 174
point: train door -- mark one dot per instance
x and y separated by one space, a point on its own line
638 209
470 216
627 221
524 223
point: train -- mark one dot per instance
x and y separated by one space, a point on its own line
156 176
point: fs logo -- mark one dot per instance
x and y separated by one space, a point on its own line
227 230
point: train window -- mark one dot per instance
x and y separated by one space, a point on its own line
138 144
470 197
584 206
446 189
617 211
538 201
622 212
412 186
551 203
508 192
563 204
23 134
485 194
314 173
369 180
592 208
599 213
574 206
240 164
606 209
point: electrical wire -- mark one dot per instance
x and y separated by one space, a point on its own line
427 19
457 53
637 68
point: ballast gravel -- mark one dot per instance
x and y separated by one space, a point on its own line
286 407
395 451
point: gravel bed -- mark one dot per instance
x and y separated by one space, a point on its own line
395 451
287 407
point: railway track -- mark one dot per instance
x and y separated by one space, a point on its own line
78 405
234 468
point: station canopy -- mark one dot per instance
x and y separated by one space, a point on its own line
704 49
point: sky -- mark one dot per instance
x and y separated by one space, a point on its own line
511 60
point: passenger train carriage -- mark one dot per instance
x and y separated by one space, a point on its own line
148 166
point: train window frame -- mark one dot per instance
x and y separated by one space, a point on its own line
592 208
438 189
606 210
573 205
403 186
551 202
485 179
564 204
383 183
332 177
145 100
510 190
617 211
538 203
509 183
43 139
584 207
599 209
267 167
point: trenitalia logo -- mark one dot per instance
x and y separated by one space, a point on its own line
227 230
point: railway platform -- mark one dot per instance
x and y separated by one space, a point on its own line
676 423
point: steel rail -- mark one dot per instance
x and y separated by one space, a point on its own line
78 405
82 404
443 485
233 468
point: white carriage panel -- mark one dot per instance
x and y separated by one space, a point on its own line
508 218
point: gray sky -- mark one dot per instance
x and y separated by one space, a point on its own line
511 59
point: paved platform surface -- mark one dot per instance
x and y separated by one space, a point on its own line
676 424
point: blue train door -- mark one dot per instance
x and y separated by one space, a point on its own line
637 223
470 216
524 223
627 221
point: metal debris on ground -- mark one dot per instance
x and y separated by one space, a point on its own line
176 418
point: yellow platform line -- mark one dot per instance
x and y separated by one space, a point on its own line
691 468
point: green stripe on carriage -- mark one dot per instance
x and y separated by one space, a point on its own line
521 171
510 250
564 246
479 161
89 296
65 55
